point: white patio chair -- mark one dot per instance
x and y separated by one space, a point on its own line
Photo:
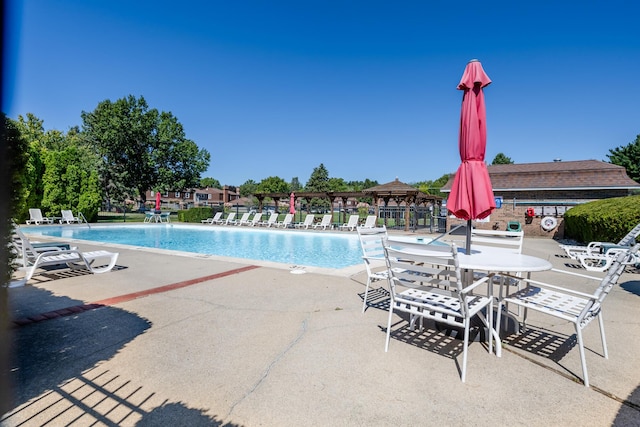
255 220
326 222
370 222
430 287
286 222
352 223
67 217
373 256
273 219
231 219
595 247
214 219
74 259
308 222
35 217
579 308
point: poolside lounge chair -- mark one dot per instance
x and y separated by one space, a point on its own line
326 222
36 217
370 222
273 219
67 217
416 289
74 259
286 222
231 219
352 223
308 222
579 308
26 251
594 248
255 220
213 220
244 220
602 262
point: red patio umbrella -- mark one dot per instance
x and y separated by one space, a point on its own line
471 193
158 201
292 206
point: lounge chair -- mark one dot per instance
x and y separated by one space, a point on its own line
231 219
352 223
594 248
273 219
326 222
244 220
370 222
308 222
213 220
36 217
27 251
67 217
74 259
286 222
602 262
567 305
255 220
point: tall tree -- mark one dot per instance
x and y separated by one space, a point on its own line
141 149
210 183
319 182
295 184
273 184
628 156
501 159
248 188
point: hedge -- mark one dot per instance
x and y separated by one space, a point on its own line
607 220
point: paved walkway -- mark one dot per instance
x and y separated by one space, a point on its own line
167 339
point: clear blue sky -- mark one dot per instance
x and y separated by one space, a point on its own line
368 88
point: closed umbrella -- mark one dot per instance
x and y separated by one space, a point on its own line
292 206
471 194
158 201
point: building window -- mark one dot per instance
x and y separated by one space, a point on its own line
187 195
177 194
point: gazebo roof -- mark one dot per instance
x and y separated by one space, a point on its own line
393 188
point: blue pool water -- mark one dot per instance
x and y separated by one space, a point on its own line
319 249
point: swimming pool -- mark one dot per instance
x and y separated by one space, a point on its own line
317 249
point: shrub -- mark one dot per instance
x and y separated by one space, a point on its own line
607 220
197 214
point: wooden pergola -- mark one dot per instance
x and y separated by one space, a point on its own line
400 193
395 190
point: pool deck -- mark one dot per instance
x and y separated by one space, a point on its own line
181 339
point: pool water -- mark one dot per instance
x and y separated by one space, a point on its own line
317 249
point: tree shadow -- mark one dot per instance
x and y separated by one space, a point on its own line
629 412
632 286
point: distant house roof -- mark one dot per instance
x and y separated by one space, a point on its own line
559 175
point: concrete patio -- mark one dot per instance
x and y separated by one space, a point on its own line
187 340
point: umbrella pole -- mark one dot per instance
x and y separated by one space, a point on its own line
468 237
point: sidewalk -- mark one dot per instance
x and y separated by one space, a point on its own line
178 340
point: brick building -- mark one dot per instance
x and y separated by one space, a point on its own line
549 189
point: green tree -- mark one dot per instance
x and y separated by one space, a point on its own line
248 188
141 149
433 187
273 184
32 132
295 184
319 182
501 159
338 184
210 183
627 156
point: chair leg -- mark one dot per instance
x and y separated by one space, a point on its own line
386 345
366 294
464 351
604 340
582 358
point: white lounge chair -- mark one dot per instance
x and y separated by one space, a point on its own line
213 220
244 219
352 223
255 220
231 219
594 248
27 251
74 259
602 262
67 217
370 222
308 222
431 287
273 219
36 217
579 308
326 222
286 222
